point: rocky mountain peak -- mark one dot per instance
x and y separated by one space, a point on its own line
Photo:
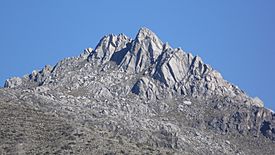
132 96
150 42
160 67
145 33
178 71
143 52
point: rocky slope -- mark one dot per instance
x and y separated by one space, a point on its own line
132 96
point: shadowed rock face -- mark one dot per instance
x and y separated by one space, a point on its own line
132 96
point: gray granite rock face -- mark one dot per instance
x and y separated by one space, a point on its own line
13 82
132 96
172 67
143 52
107 47
146 88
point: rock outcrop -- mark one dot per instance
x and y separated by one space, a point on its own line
108 47
146 88
143 52
13 82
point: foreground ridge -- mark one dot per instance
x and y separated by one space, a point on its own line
132 96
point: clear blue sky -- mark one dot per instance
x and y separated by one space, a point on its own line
236 37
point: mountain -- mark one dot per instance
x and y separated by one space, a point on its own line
132 96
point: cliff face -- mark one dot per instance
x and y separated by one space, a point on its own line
130 96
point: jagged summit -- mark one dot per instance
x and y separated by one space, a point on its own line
137 96
145 33
170 71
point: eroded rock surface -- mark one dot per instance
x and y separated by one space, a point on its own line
13 82
132 96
